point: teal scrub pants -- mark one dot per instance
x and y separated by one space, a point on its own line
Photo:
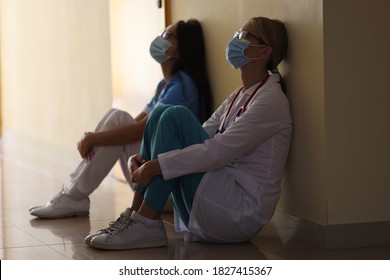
170 128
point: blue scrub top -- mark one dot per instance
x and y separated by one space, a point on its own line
180 90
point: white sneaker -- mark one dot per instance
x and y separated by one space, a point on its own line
61 206
111 226
132 233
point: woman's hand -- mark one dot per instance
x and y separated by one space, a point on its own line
143 174
134 162
85 147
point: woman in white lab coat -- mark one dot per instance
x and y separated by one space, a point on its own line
224 177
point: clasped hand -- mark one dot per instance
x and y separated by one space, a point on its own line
84 147
142 172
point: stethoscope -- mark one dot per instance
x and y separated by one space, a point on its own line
221 128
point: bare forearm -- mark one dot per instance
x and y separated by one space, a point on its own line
145 172
118 136
155 168
141 116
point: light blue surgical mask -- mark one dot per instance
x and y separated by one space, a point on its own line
158 49
235 52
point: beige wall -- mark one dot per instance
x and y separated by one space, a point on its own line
336 72
55 68
357 45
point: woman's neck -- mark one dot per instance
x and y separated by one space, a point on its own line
168 69
250 77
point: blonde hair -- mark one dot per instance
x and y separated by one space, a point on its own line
273 33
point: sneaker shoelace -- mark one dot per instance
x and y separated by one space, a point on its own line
58 195
125 222
112 226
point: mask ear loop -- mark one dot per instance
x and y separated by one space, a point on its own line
172 56
260 46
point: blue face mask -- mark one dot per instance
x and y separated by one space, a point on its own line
158 49
235 52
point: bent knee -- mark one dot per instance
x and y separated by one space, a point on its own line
179 111
116 118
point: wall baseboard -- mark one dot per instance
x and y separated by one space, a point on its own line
339 236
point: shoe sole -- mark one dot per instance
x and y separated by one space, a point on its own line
89 239
35 207
78 214
139 245
88 242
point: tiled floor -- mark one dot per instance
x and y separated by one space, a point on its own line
31 175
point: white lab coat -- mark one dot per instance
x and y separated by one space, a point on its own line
243 166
